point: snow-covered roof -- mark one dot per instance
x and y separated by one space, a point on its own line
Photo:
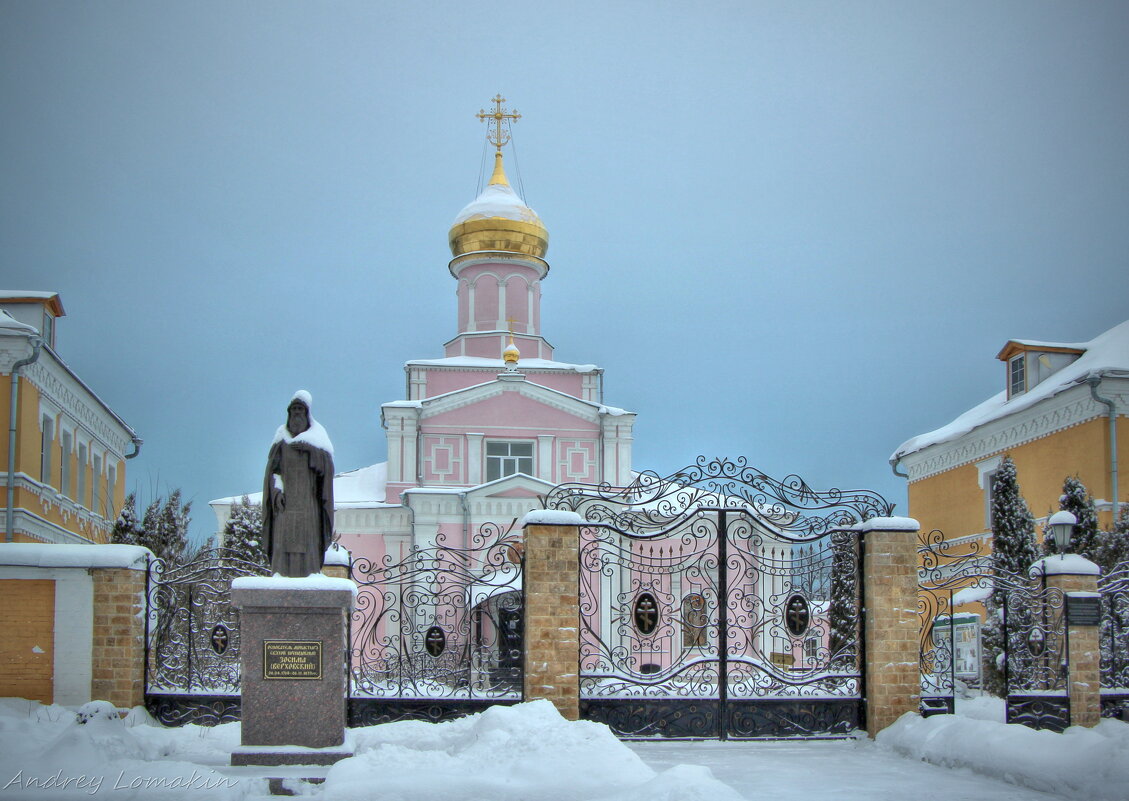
39 554
10 325
497 200
52 298
351 489
1105 355
482 361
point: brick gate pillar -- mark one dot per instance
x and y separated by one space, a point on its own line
891 634
552 613
1077 577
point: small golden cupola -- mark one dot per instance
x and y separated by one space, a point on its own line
498 219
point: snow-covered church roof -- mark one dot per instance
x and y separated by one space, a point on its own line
351 489
483 361
1105 355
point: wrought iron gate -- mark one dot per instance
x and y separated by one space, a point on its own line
438 634
714 603
1024 618
192 667
1114 642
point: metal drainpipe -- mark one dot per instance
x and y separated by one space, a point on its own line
894 466
10 523
137 443
1095 381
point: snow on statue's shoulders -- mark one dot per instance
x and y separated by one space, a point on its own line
315 436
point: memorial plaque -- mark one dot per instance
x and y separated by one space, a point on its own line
291 659
1083 611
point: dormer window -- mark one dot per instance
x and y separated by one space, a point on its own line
1017 375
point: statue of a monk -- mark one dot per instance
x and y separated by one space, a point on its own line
298 493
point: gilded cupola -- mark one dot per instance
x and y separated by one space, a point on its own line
498 219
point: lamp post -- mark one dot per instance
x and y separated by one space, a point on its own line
1062 525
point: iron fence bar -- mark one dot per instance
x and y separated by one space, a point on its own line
860 631
1007 646
148 611
952 651
723 625
191 639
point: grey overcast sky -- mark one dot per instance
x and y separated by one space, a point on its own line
797 232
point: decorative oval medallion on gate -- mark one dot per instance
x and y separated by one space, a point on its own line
1036 641
797 615
220 639
435 641
646 613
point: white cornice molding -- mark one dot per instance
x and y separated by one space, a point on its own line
1067 409
57 386
441 404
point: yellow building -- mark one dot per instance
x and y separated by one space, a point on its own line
65 465
1061 412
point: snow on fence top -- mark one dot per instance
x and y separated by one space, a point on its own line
887 524
41 554
1070 564
551 517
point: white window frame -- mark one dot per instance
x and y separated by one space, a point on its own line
46 442
1017 374
66 442
83 458
509 463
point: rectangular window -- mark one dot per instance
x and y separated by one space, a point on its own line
508 458
80 494
1017 376
96 489
111 488
989 495
48 329
65 466
45 450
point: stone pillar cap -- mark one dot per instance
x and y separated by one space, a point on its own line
1070 564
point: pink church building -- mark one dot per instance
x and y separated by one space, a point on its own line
495 422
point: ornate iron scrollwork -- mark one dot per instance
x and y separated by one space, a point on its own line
646 614
701 591
443 626
192 632
797 616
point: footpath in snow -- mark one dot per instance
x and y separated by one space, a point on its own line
529 752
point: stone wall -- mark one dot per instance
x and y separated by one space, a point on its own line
118 649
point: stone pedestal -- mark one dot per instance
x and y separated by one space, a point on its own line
294 685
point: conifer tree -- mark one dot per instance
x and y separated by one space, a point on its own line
1013 553
243 529
165 528
1112 550
127 528
844 597
1086 536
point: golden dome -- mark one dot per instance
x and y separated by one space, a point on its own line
498 220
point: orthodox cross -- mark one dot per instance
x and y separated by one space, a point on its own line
498 122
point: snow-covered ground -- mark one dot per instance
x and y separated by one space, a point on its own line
530 752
